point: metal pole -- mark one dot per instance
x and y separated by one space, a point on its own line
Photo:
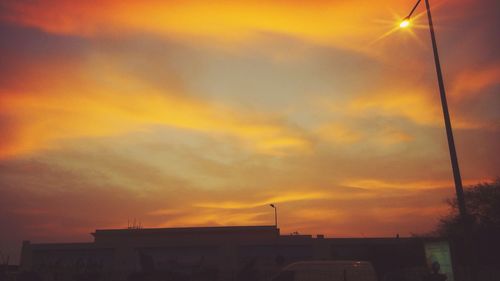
276 217
453 153
449 133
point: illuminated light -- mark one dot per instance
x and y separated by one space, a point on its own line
404 24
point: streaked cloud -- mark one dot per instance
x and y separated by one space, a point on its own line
371 184
189 113
316 21
473 82
282 198
407 103
97 109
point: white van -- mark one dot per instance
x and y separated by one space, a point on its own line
328 271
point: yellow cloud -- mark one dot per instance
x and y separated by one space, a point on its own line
324 22
123 104
413 105
338 133
410 185
288 197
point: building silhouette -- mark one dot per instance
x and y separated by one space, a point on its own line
207 253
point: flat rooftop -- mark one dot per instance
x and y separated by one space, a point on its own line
176 231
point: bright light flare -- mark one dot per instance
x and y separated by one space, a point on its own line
404 24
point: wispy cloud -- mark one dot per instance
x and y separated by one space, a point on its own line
413 104
470 83
121 104
317 21
286 197
372 184
189 113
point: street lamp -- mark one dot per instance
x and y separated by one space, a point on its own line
449 133
404 23
275 215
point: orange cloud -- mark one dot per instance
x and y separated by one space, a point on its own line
96 90
388 215
317 21
414 105
287 197
216 217
377 184
471 82
38 119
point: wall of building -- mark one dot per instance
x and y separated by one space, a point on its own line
221 254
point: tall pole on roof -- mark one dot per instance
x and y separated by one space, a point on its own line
275 215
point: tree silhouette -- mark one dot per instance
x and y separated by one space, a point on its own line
483 207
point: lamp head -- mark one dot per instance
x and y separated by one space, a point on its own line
272 205
404 23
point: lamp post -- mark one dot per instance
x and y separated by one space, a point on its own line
275 215
447 122
449 132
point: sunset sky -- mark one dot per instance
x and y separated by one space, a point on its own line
201 113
